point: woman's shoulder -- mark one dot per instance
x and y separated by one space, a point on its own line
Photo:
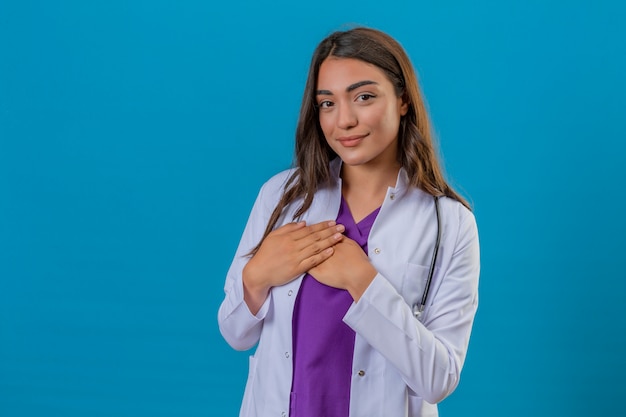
274 187
460 217
278 181
450 209
454 206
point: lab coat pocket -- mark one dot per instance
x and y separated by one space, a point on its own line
414 284
247 405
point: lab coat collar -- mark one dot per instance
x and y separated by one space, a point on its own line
402 181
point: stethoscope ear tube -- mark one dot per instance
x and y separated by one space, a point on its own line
419 308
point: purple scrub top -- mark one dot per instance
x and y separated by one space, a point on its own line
323 344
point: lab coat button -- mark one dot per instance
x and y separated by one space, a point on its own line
286 354
361 372
377 251
392 196
290 293
283 414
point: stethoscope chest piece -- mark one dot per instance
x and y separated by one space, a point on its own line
418 309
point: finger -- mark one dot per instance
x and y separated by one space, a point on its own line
319 246
316 238
315 260
317 232
314 228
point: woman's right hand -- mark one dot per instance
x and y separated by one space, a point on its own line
286 253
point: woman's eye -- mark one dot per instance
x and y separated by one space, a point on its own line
365 97
325 104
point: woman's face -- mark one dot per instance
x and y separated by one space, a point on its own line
359 111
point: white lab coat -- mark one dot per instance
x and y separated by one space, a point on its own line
401 366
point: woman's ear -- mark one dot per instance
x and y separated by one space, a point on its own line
404 106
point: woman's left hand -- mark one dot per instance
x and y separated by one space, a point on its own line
347 268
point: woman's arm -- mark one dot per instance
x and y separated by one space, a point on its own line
239 327
428 355
286 253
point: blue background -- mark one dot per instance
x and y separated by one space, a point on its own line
134 136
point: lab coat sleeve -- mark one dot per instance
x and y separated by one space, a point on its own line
239 327
429 356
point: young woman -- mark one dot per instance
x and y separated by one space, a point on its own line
357 273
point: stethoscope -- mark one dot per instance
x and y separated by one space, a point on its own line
418 308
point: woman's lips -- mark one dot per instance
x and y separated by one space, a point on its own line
350 141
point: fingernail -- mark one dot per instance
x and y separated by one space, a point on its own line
337 236
332 223
341 228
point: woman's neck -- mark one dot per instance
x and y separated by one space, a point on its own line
364 187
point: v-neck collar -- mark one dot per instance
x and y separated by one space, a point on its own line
359 230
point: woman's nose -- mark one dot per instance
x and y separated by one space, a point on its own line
346 117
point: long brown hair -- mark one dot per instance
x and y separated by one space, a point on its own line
416 152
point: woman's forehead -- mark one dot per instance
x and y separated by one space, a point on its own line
341 73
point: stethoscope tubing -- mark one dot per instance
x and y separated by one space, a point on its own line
419 308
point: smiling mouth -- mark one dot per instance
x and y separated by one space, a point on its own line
351 141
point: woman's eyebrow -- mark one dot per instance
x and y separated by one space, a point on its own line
350 88
359 84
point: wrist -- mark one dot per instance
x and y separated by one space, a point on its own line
358 287
254 291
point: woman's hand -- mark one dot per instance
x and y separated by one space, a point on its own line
348 268
286 253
